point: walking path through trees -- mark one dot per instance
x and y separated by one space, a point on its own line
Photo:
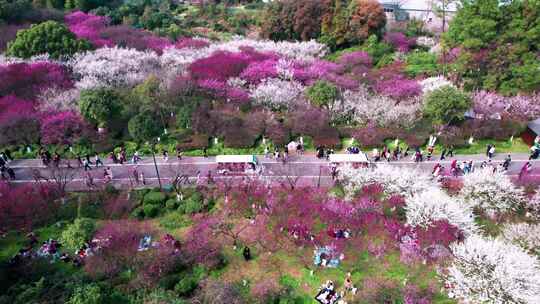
298 170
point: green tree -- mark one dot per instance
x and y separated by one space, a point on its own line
421 63
475 24
48 37
87 294
55 4
446 104
76 234
99 106
322 93
144 126
14 10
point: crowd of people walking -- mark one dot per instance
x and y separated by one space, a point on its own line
389 153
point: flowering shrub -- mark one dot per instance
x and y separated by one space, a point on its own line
371 135
63 128
404 181
354 59
260 70
16 115
113 67
55 99
383 111
219 66
27 80
399 41
119 241
520 107
491 192
89 27
191 43
175 61
526 236
38 207
128 37
427 42
425 208
490 271
409 249
277 94
398 89
433 83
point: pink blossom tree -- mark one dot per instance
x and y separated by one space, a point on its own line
63 128
27 80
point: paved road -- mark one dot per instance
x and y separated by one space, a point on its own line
299 170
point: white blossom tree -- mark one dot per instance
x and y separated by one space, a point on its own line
59 100
525 235
433 83
379 109
491 271
394 179
277 94
432 205
491 192
175 61
533 206
113 67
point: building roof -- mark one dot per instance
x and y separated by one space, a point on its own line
348 158
236 159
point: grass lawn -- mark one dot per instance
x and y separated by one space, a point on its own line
363 266
478 147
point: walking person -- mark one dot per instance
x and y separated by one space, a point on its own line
11 173
3 157
450 151
109 172
97 160
136 175
454 169
89 180
246 253
113 158
106 176
527 167
87 157
488 148
465 168
266 152
491 151
86 165
135 159
205 152
142 179
7 155
165 156
209 179
506 163
179 153
443 154
334 172
56 159
79 161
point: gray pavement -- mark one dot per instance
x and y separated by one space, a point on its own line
300 170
